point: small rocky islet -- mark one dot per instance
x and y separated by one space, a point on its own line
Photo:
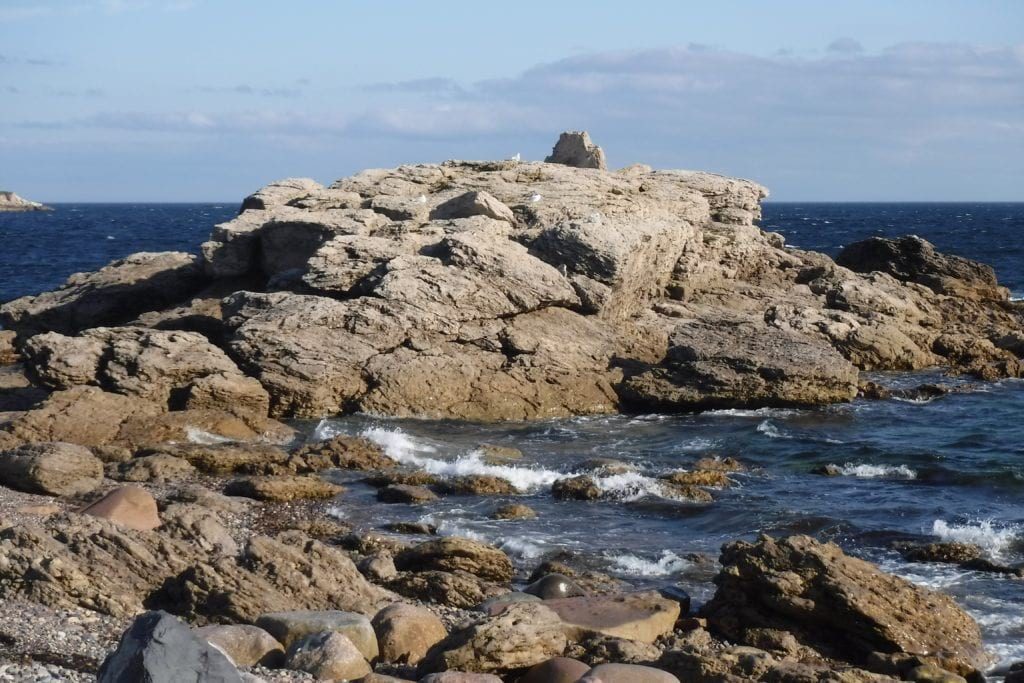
161 517
9 201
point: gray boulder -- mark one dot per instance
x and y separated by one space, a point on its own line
159 648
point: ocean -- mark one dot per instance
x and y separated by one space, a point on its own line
946 468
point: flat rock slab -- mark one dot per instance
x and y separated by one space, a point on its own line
635 616
289 627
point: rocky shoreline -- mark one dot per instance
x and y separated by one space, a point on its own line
9 201
160 518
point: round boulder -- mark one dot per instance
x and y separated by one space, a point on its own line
406 632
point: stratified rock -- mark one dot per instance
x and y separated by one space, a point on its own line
343 452
129 506
329 656
574 148
635 616
453 553
291 627
205 427
246 645
280 193
54 469
839 605
158 647
283 489
226 458
406 632
455 589
231 391
473 204
116 293
522 636
404 493
478 485
9 201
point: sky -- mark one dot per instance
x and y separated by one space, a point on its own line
208 100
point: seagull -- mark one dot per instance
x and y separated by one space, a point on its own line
517 157
535 198
422 199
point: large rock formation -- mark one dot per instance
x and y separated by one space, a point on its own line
838 605
514 290
9 201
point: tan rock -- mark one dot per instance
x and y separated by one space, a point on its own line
635 616
514 511
405 632
627 673
55 469
246 645
328 656
228 391
291 627
456 589
129 506
283 488
344 452
406 493
453 553
160 468
556 670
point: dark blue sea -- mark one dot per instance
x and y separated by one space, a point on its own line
950 468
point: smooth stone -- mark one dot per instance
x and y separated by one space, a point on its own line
128 506
245 644
459 677
406 493
405 632
514 511
554 586
634 616
328 655
556 670
627 673
289 627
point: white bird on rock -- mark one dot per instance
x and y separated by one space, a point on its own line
535 198
422 199
517 157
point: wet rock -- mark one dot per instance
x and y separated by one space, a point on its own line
514 511
405 493
493 454
455 589
854 608
686 492
412 528
627 673
159 647
556 670
453 553
478 485
129 506
644 617
604 466
951 553
576 488
291 627
328 656
712 478
246 645
554 586
372 543
54 469
405 633
417 478
524 635
283 489
160 468
344 452
574 148
115 293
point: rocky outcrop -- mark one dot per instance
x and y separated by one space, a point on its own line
114 294
453 553
518 290
838 605
54 469
9 201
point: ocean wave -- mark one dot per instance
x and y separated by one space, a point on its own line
634 565
752 412
867 471
771 431
997 541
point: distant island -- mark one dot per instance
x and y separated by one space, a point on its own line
9 201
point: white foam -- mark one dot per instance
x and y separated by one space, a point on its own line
866 471
995 540
746 412
633 565
205 438
521 547
771 431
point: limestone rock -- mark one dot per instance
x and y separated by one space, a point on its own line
475 203
129 506
455 589
159 647
246 645
522 636
405 633
514 511
9 201
283 488
576 488
344 452
453 553
329 656
8 351
280 193
229 391
160 468
291 627
478 485
644 617
574 148
837 604
116 293
205 427
55 469
404 493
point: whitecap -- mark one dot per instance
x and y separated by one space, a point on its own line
634 565
867 471
996 540
747 412
771 431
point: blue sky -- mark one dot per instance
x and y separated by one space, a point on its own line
195 100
